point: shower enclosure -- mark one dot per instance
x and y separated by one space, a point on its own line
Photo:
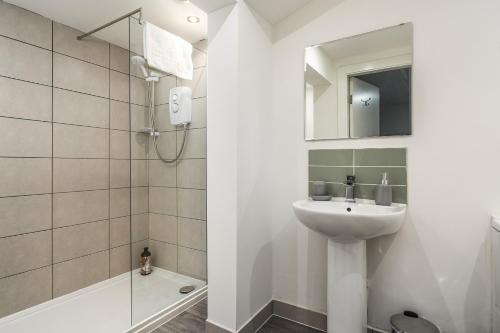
84 190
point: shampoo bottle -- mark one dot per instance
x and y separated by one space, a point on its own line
383 196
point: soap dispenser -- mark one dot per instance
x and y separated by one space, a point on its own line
383 196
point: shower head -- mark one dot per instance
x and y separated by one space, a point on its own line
141 62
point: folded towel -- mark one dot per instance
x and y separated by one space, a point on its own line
167 52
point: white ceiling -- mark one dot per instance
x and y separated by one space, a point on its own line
274 11
86 15
210 5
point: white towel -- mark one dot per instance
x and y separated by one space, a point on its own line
167 52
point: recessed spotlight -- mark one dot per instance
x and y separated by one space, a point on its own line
193 19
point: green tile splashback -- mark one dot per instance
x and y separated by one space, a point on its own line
331 157
373 175
380 157
368 192
333 165
330 174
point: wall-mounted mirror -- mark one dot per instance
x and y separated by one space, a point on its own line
360 86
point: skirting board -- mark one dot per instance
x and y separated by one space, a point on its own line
281 309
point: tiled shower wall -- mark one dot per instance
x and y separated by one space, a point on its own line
64 161
177 192
334 165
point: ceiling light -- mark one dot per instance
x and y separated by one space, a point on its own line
193 19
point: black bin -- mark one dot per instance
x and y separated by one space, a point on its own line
403 323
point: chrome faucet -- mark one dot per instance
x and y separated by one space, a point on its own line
349 189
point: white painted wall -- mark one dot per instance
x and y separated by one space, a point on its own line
254 277
239 113
438 263
222 147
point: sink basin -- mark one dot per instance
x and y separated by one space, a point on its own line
349 222
348 226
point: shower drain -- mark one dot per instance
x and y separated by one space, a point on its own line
186 289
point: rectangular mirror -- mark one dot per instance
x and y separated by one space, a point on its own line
359 86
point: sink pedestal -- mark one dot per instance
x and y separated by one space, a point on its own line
348 225
347 295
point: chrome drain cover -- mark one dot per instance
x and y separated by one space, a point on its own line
186 289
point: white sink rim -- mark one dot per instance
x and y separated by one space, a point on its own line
365 220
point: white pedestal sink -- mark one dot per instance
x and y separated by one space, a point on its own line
348 226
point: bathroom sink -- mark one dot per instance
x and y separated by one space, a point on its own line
350 222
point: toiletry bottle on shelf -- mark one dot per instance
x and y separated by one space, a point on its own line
383 196
146 267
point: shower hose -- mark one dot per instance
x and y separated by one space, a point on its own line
150 86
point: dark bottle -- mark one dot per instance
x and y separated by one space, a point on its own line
146 267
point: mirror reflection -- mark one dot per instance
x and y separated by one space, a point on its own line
360 86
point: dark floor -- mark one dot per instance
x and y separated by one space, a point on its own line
193 321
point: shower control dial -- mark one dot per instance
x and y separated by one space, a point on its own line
180 105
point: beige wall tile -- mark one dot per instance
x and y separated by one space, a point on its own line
139 200
79 240
163 228
119 202
192 203
119 144
138 91
25 214
163 200
199 114
80 273
162 118
25 252
162 174
196 143
198 84
119 115
36 288
166 145
139 118
138 145
199 58
119 59
22 176
80 207
25 138
36 29
76 75
193 263
119 173
119 231
25 62
72 141
90 49
193 234
162 91
119 260
192 173
202 45
140 227
80 174
139 172
164 255
13 101
80 109
119 86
